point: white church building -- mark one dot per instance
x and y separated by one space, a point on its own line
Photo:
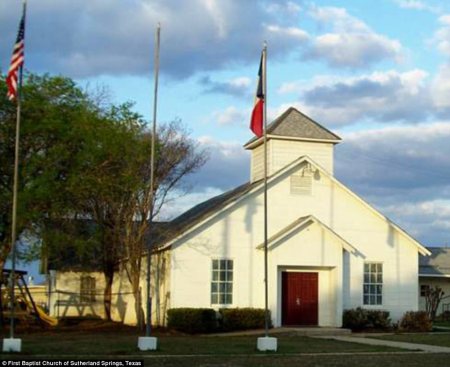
328 249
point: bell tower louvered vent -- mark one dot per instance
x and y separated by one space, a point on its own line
301 184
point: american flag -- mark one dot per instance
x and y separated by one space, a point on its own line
17 60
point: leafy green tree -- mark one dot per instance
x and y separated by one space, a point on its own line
51 108
84 175
76 159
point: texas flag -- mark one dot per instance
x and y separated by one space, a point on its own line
256 123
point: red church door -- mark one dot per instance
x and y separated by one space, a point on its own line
300 298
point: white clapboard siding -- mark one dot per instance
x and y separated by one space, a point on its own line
281 152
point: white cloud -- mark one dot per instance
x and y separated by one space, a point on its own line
217 14
440 87
289 8
338 18
427 220
404 171
350 43
434 209
417 5
231 115
89 38
442 35
236 87
407 159
292 32
379 96
291 87
227 167
240 82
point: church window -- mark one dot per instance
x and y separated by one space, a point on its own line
222 282
373 283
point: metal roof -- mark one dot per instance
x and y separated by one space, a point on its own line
437 264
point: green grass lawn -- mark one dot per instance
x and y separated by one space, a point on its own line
440 339
186 351
442 323
126 344
386 360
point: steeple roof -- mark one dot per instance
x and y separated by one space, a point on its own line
294 124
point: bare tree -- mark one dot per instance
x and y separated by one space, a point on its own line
176 157
433 298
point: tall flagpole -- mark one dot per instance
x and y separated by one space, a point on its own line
152 175
266 282
15 190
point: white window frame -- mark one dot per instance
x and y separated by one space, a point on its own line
373 284
222 279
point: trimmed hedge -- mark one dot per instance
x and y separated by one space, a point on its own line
192 320
361 319
415 321
242 318
207 320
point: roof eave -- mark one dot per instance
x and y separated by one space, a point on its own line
254 143
434 275
290 228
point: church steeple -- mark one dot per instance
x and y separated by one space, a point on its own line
289 137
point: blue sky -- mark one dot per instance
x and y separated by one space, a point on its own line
375 72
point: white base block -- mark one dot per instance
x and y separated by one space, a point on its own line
12 345
267 343
147 343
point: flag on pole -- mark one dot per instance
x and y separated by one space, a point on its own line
256 122
17 60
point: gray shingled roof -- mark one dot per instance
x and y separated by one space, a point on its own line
293 123
438 263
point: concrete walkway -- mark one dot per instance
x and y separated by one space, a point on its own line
389 343
290 331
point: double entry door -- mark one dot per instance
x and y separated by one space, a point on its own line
300 298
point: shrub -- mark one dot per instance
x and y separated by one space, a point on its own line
242 318
378 319
415 321
361 319
355 319
192 320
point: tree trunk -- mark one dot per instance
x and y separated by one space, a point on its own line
107 295
138 309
